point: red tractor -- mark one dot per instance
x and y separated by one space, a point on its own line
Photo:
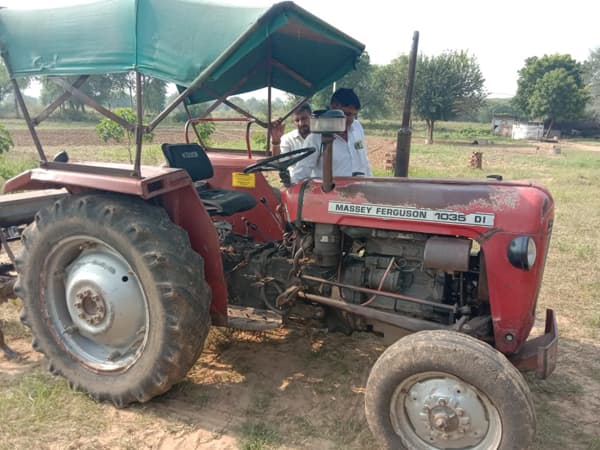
123 275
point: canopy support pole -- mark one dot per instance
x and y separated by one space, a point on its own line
269 93
30 125
221 98
93 103
296 106
139 128
59 101
189 114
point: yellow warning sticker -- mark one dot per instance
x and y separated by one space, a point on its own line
244 180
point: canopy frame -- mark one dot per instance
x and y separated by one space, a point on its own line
219 67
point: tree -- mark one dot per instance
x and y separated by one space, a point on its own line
389 87
592 79
551 88
361 80
445 86
108 129
6 87
154 93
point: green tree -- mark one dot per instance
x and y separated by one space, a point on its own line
445 86
108 129
154 93
361 80
6 87
551 88
592 80
389 87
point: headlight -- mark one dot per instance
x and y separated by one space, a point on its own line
522 252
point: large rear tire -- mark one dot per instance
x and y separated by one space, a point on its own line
114 294
442 389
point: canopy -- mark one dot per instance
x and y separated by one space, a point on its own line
232 49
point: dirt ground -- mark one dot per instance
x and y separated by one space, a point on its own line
292 388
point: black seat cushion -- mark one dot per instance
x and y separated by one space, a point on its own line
224 202
193 158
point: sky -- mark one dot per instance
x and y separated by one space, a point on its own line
501 34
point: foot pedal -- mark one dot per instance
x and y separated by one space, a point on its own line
251 319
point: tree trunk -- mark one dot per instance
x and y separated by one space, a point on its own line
549 128
430 124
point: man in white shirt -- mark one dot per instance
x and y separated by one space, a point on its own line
295 138
349 147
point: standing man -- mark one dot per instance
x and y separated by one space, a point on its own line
294 139
349 147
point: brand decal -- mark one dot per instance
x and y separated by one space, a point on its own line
409 213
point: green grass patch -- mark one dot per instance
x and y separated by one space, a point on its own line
36 405
258 436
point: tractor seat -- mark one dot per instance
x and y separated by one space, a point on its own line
218 202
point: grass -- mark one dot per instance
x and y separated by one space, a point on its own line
258 436
34 406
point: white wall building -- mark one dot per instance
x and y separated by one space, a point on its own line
531 130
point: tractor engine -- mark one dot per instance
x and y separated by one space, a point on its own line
433 278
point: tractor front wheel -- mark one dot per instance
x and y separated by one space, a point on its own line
442 389
114 295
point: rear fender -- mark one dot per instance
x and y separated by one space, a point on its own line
186 210
176 191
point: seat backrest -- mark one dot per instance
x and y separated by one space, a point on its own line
190 157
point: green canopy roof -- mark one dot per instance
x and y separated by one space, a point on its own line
232 49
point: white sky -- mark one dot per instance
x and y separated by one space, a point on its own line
499 34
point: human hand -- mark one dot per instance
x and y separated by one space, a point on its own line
277 130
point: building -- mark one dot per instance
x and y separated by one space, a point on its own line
502 125
529 130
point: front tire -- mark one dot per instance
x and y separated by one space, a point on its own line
114 295
443 389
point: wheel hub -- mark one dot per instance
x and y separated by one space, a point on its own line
443 412
104 299
90 305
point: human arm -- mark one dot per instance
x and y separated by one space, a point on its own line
277 131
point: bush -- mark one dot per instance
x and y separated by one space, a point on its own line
205 130
108 129
6 141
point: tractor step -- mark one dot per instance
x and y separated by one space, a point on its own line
251 319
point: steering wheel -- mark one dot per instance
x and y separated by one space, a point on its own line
280 162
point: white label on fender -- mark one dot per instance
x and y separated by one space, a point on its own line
408 213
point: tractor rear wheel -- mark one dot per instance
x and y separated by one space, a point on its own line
114 295
443 389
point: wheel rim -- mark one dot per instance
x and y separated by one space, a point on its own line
95 303
437 410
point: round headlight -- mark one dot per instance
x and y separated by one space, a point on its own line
522 252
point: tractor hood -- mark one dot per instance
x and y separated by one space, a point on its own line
466 208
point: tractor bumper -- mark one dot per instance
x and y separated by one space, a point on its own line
539 353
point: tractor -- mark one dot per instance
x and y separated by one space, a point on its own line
125 267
